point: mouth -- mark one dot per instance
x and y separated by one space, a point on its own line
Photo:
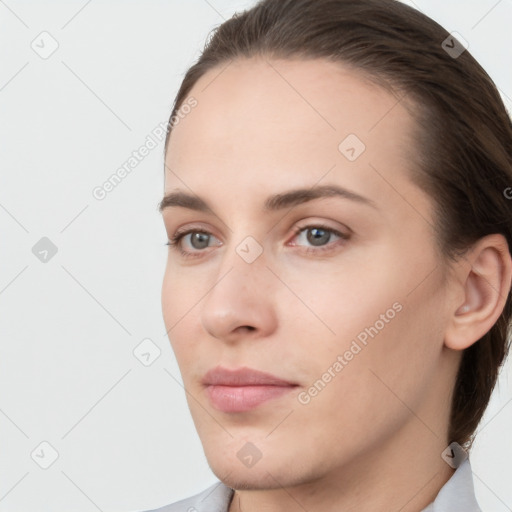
243 389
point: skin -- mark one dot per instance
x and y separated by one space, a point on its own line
372 438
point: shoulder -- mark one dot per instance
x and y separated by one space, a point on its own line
215 498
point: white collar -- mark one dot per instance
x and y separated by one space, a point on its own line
457 493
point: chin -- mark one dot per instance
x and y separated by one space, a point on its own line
248 479
264 475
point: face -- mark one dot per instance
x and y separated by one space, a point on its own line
336 290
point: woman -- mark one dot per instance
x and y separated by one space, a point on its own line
337 291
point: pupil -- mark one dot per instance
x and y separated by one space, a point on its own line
201 239
319 236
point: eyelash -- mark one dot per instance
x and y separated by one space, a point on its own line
175 241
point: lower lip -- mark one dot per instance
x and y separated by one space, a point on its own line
243 398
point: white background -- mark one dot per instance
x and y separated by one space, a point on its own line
68 376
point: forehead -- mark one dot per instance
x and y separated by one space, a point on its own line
269 123
322 94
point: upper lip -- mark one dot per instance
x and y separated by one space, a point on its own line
245 376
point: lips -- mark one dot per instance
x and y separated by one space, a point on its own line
243 389
220 376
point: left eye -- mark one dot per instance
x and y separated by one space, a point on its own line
318 236
198 240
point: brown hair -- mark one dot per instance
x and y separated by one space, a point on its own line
464 138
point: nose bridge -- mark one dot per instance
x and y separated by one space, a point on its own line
242 272
245 263
240 296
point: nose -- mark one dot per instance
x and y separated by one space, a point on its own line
240 302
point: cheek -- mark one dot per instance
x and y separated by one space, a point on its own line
339 299
178 311
168 300
180 295
381 316
365 398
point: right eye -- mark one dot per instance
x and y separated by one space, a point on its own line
197 240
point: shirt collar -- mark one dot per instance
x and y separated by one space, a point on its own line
457 493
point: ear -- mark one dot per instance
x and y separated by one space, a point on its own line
484 279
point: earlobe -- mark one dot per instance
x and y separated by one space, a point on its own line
486 281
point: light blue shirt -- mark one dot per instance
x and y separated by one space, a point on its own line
456 495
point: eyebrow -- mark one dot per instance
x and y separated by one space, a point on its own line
273 203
